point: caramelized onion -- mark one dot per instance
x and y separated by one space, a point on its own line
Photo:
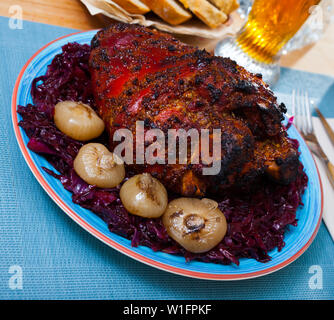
144 196
96 165
197 225
78 120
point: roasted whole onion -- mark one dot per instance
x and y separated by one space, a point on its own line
77 120
144 196
197 225
96 165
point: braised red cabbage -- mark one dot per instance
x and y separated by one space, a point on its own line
257 220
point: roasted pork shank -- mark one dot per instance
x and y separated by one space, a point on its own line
139 74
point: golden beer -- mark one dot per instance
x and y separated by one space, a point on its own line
271 24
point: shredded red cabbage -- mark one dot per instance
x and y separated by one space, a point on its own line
256 221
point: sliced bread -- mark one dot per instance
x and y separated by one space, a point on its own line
206 12
226 6
133 6
169 10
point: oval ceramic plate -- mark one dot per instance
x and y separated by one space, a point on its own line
297 238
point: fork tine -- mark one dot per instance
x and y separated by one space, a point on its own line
308 114
293 110
304 106
299 111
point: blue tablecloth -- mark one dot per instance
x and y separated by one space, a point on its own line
59 260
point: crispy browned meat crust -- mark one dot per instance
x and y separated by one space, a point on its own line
144 74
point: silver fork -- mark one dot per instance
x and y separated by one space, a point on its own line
303 121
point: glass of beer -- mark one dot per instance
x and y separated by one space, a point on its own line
270 25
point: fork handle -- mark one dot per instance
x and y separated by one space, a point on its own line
330 172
